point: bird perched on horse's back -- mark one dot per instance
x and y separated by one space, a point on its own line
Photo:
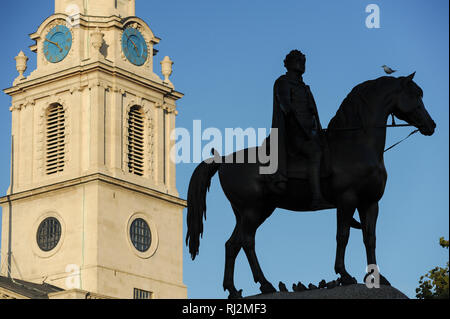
387 69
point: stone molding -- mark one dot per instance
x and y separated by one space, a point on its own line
94 178
114 71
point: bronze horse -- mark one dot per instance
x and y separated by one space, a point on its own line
356 137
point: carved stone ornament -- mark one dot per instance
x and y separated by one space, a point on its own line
166 69
21 66
97 39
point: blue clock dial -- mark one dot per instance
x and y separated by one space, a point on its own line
134 46
57 43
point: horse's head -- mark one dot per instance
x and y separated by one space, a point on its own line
410 107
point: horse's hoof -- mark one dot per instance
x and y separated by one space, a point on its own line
347 280
267 288
332 284
384 281
235 294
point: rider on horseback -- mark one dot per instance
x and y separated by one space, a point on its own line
295 111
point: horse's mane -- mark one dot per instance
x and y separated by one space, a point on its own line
351 113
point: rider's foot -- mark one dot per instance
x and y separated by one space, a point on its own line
278 187
282 186
278 184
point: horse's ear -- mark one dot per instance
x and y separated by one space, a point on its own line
411 76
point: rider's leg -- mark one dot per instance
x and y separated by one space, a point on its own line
314 176
313 151
279 179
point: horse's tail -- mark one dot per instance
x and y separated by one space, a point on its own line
196 201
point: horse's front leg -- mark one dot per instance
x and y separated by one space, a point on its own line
368 216
345 213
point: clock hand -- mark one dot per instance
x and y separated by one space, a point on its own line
135 47
55 43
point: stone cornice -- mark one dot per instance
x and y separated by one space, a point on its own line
92 67
84 21
89 22
77 294
8 294
93 178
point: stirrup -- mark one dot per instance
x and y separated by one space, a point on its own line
278 187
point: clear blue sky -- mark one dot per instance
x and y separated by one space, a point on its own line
227 55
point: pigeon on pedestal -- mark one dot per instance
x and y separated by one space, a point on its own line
282 287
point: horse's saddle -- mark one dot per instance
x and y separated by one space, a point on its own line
297 165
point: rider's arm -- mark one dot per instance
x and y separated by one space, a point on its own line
283 92
283 95
314 106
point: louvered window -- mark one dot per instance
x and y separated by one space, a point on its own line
136 139
142 294
55 139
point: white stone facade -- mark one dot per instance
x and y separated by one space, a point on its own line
95 196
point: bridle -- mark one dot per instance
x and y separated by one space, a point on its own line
400 125
381 126
384 127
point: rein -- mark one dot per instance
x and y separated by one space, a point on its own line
394 145
382 126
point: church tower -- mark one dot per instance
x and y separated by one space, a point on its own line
92 207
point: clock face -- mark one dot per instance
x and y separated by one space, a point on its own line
134 46
57 43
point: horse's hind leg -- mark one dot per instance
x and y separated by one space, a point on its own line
232 248
345 213
251 220
368 216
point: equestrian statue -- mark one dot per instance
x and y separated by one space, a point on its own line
341 167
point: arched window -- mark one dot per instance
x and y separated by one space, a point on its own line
55 139
136 138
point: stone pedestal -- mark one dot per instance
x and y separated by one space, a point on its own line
358 291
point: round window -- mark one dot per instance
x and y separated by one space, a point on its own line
140 235
48 234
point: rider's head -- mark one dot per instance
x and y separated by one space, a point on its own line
295 61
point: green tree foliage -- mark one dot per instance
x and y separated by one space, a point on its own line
434 285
